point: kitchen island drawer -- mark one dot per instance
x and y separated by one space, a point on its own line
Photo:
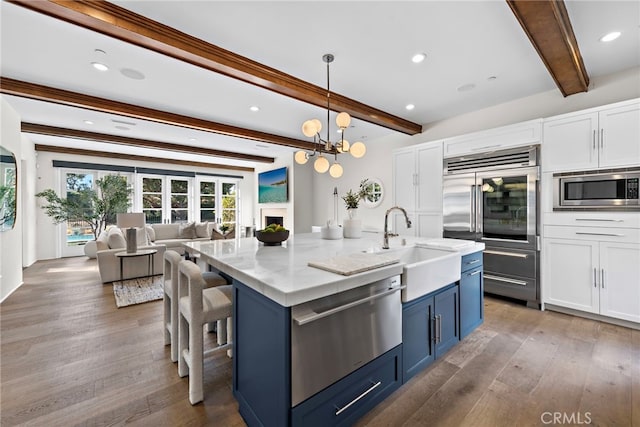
471 261
342 403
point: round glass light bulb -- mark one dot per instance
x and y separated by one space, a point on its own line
342 146
309 128
301 157
343 120
321 165
358 149
335 170
318 124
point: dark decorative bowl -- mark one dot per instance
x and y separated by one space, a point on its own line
272 239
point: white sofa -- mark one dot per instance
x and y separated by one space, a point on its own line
154 236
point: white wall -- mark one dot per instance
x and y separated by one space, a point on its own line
49 177
377 162
286 161
30 208
11 240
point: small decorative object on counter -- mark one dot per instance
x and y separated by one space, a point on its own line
272 235
353 226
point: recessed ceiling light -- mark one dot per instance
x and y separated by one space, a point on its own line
410 107
611 36
254 108
418 58
132 74
88 122
467 87
100 66
122 122
193 139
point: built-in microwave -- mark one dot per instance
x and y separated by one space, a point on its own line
597 190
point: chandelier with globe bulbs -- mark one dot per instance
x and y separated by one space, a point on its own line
311 129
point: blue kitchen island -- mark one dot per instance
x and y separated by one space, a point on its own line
273 286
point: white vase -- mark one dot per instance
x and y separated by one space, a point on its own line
352 213
352 228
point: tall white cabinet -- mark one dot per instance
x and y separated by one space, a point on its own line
417 187
607 137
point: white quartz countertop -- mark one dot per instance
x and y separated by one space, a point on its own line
282 273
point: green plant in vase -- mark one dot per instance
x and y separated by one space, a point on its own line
352 199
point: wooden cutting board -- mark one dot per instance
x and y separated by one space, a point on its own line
354 263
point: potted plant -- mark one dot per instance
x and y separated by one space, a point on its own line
352 199
96 208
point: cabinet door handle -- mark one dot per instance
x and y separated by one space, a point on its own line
348 405
594 139
598 234
599 219
595 280
601 138
474 273
602 278
439 328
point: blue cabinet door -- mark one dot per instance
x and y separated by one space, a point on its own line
471 301
261 358
471 293
417 336
446 315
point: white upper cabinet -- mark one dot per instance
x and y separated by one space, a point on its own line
417 173
520 134
600 138
417 187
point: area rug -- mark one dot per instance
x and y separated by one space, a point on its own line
137 291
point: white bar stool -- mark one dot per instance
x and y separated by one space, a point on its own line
197 307
170 271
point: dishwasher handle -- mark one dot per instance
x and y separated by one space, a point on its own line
313 316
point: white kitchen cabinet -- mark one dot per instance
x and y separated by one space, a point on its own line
517 135
592 272
598 138
417 187
423 224
417 172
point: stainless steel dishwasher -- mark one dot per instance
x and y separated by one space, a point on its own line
335 335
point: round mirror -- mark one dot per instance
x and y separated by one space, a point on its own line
375 191
7 189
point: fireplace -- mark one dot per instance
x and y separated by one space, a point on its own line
274 215
274 220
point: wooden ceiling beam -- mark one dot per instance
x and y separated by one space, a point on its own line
128 157
64 97
136 142
547 24
115 21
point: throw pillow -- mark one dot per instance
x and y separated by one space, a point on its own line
202 229
216 235
188 231
151 233
141 236
116 240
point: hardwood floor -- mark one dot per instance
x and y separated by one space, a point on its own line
70 357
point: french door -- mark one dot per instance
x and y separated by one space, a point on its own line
217 201
75 233
165 199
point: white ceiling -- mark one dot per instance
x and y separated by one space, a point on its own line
465 43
